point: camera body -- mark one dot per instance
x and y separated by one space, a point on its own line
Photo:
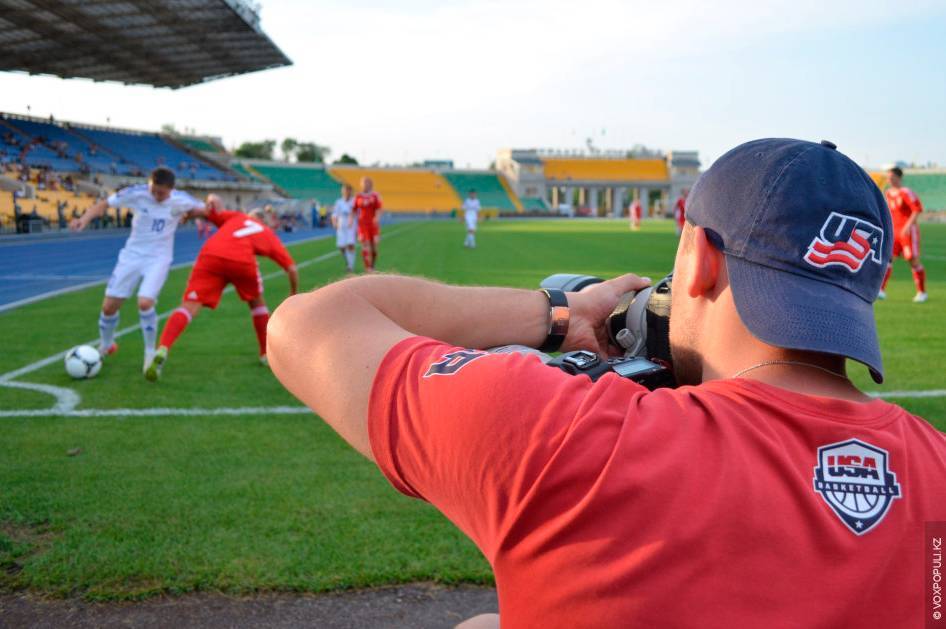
639 325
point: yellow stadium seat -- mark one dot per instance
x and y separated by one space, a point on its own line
613 170
6 206
404 190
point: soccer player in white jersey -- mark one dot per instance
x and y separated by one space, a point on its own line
343 220
471 213
147 254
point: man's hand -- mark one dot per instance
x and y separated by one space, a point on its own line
76 225
590 309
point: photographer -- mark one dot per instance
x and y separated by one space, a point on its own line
765 491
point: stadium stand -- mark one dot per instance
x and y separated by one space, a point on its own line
930 187
150 150
300 182
200 144
534 204
563 169
76 148
492 194
246 171
405 190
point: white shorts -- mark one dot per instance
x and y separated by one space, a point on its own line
345 237
132 267
471 223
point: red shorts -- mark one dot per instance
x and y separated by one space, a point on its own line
369 232
907 247
212 274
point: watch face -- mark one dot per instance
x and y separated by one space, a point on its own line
558 321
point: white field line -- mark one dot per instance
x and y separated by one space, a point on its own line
33 277
96 282
67 399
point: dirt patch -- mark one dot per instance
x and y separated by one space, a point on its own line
417 606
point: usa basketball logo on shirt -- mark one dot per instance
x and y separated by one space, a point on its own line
845 241
855 480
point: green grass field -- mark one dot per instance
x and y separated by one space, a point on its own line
264 501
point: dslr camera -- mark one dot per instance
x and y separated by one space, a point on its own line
639 325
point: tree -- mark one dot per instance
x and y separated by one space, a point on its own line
256 150
169 129
311 152
346 159
288 147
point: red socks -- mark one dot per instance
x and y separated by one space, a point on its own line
173 328
887 277
260 319
180 318
919 278
369 257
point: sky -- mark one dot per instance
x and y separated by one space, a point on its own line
398 82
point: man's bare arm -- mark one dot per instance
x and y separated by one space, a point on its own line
96 210
369 315
293 273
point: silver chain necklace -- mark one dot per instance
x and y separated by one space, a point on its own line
797 363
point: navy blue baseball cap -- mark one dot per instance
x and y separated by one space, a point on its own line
807 237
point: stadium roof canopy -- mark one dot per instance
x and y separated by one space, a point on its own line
164 43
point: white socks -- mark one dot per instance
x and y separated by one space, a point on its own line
470 241
107 325
149 328
350 259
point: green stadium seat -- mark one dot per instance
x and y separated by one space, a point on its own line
534 204
489 189
300 182
930 187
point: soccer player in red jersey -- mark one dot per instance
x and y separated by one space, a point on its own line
228 257
368 211
905 207
680 210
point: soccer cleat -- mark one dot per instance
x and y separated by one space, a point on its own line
108 352
920 298
882 295
264 361
153 369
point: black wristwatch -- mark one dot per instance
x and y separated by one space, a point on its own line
558 320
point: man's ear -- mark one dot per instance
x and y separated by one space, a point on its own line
704 262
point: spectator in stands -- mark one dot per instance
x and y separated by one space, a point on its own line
61 214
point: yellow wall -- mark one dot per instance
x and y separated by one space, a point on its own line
879 177
404 190
562 169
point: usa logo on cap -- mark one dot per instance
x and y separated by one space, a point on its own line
855 480
846 241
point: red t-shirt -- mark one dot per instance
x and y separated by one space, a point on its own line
605 505
241 238
680 211
903 203
366 207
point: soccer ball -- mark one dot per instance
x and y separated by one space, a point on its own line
83 361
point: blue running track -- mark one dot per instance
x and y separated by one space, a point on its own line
31 267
